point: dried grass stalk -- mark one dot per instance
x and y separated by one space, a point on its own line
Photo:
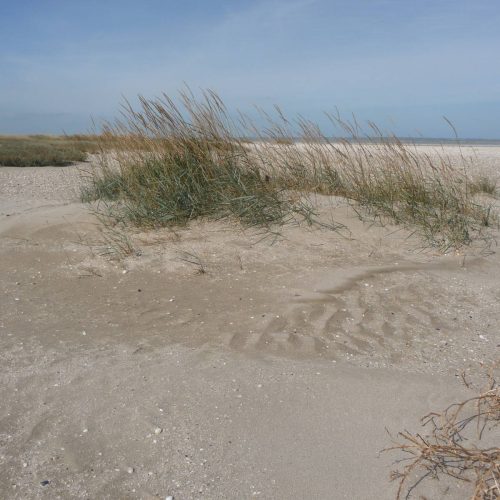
454 445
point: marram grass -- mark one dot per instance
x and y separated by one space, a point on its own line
172 161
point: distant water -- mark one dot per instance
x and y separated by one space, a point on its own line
450 142
431 141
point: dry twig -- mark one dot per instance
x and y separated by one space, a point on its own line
451 448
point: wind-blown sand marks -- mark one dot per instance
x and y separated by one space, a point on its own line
277 337
367 311
377 311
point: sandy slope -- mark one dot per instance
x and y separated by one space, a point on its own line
274 374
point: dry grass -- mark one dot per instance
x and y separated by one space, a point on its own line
44 150
172 161
456 445
484 185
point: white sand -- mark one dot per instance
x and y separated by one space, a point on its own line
275 374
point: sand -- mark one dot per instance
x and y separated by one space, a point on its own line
273 374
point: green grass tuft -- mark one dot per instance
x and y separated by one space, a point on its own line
41 150
168 163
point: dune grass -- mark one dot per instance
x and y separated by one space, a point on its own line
172 161
44 150
483 185
173 187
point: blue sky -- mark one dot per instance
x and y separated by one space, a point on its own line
401 63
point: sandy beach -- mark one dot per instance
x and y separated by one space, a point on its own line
215 363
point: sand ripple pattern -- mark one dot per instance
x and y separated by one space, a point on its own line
365 312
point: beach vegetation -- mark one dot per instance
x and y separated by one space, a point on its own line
455 442
45 150
166 162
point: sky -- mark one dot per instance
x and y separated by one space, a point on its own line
401 63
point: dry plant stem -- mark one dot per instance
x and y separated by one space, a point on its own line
450 449
193 259
171 161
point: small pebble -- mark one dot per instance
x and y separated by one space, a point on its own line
130 470
158 430
45 483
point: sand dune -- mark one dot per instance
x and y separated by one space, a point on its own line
274 373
